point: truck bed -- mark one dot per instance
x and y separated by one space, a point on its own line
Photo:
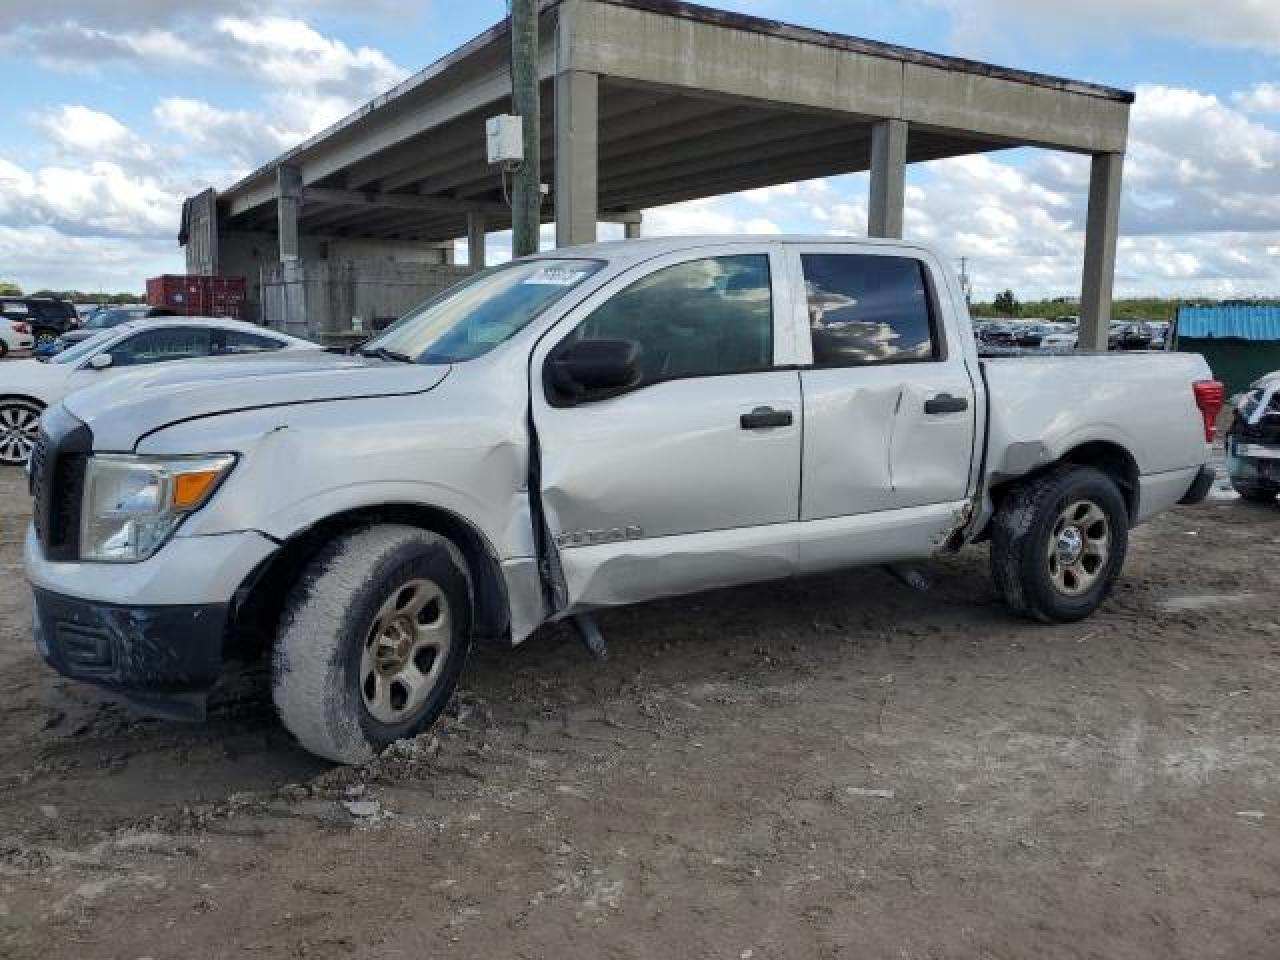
1041 407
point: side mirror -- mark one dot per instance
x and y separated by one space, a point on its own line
100 361
588 370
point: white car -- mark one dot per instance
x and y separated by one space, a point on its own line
28 386
15 335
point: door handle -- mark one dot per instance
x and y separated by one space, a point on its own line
946 403
762 418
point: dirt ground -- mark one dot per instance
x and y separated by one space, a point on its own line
834 767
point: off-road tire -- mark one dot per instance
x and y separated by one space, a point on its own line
327 625
1021 532
1256 492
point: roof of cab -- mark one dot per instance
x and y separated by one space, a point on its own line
619 251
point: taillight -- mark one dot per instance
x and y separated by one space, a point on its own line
1210 396
21 326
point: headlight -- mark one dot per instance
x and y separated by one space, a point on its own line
132 504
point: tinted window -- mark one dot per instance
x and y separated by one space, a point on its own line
694 319
237 341
154 346
868 309
110 318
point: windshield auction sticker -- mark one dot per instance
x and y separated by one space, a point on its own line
556 277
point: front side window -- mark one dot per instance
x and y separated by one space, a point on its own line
867 309
156 346
471 318
696 319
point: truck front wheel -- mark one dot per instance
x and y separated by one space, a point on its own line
1058 542
372 641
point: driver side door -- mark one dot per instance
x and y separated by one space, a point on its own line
681 482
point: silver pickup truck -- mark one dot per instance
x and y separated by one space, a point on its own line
595 426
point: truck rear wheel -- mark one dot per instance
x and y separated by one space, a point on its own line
1058 543
372 641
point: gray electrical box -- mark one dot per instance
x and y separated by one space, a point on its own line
504 139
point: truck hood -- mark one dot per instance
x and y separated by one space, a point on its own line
125 407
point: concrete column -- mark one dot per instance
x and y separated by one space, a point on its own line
577 156
293 317
631 228
888 179
1100 234
289 187
475 240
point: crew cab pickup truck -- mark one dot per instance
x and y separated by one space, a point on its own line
596 426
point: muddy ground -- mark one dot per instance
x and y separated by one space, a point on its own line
836 767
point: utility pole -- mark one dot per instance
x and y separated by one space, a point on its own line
965 282
526 186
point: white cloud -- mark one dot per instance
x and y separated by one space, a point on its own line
238 139
77 133
43 257
981 25
99 198
1262 98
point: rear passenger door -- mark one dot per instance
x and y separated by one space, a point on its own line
888 399
648 493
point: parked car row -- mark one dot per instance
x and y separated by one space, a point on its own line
1062 335
47 318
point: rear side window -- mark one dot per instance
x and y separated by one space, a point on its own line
866 309
237 341
697 319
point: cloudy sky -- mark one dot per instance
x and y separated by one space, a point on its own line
116 109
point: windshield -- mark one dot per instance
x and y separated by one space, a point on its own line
470 319
79 350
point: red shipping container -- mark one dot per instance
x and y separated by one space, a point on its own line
197 296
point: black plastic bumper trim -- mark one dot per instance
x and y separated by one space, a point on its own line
164 658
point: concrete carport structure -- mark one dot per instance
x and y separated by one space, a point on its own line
650 102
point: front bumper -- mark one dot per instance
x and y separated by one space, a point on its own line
163 659
152 631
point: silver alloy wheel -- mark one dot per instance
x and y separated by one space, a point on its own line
405 651
1079 548
19 428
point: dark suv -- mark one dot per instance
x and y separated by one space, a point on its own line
49 318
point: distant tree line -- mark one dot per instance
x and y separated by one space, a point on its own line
10 289
1154 309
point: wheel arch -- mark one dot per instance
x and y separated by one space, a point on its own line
257 603
1117 463
23 396
1111 458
